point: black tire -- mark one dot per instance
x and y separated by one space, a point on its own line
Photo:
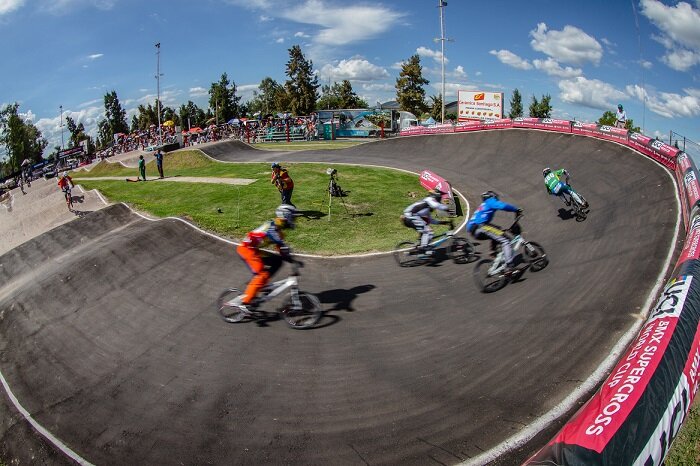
534 254
406 255
231 314
460 250
486 283
306 317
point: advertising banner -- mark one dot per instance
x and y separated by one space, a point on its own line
478 105
413 130
637 412
692 191
612 133
430 181
586 129
654 148
468 126
502 123
543 123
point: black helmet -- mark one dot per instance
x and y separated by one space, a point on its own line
436 194
546 171
488 195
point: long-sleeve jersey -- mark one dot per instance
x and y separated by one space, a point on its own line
267 233
552 179
282 180
423 208
487 210
64 182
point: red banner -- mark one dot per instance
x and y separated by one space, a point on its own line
543 123
692 241
430 181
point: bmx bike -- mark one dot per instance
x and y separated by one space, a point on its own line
300 310
410 254
579 205
69 197
490 274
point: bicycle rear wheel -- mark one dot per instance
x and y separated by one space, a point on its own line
306 317
406 254
534 254
460 250
229 312
485 282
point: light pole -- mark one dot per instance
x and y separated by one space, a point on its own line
441 5
158 75
60 107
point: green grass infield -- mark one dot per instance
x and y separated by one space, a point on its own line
366 220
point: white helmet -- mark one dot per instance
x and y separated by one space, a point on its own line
286 212
65 174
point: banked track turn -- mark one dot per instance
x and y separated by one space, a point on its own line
111 341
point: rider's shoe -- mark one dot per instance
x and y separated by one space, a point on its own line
510 271
567 202
244 309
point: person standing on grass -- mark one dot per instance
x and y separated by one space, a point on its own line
284 183
159 163
142 167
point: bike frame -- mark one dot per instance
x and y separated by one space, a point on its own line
499 262
279 287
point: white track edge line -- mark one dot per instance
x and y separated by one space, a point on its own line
599 374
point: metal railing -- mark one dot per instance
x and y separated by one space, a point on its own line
688 146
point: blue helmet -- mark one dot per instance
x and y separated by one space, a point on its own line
488 195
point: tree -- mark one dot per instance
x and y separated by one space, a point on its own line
541 109
115 114
21 139
340 95
609 119
436 107
302 85
191 115
516 105
223 100
409 86
77 132
264 101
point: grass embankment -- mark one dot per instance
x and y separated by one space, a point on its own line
308 145
366 220
686 448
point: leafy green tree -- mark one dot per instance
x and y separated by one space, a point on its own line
340 95
115 114
191 115
169 114
516 105
21 139
302 85
134 124
541 109
409 86
436 107
264 100
609 119
147 115
77 132
223 99
105 137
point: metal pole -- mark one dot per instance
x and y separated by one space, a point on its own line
160 135
61 109
442 57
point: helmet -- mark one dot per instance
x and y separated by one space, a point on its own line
488 195
286 212
619 106
436 194
546 171
64 174
275 165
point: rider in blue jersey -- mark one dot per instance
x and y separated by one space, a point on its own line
480 226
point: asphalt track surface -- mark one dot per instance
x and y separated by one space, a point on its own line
111 341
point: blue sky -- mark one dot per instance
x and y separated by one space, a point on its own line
589 56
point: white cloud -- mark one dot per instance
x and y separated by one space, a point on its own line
552 68
265 19
459 72
354 69
680 32
590 93
280 40
570 45
434 54
59 7
94 56
509 58
7 6
198 92
667 104
51 127
303 35
646 64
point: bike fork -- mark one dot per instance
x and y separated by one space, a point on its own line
296 302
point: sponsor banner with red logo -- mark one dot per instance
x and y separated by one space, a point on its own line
501 123
691 248
586 129
612 133
543 123
413 130
430 181
659 151
478 105
468 126
638 410
692 190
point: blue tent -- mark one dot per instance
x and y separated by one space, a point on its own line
429 122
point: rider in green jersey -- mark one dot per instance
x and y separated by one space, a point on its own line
556 187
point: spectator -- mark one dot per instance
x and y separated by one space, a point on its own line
142 167
621 117
284 183
159 163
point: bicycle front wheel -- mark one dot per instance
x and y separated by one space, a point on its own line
485 281
460 250
229 312
406 255
534 254
307 316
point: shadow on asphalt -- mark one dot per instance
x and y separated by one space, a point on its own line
341 299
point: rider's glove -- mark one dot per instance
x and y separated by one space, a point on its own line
285 253
519 211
